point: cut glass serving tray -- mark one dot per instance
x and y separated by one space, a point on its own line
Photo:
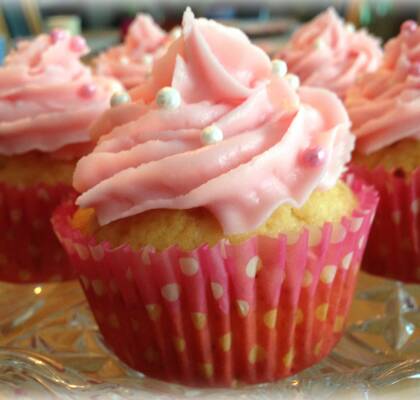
50 348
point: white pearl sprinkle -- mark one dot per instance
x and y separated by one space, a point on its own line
120 98
293 80
320 44
212 134
279 68
147 59
350 27
176 33
168 98
116 87
124 60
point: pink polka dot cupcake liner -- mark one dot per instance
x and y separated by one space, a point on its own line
29 250
393 249
254 312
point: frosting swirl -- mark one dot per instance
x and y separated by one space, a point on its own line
48 98
328 53
240 142
384 106
131 62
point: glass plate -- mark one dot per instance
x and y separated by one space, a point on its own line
50 347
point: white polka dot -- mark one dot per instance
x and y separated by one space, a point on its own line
345 263
179 343
207 370
270 318
307 279
82 251
252 267
154 311
356 224
338 233
189 266
97 252
292 238
171 292
321 312
217 290
396 217
199 320
289 358
243 307
129 275
145 255
328 274
85 281
43 194
315 236
415 206
226 342
256 354
98 287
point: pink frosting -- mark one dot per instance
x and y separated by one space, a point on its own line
131 62
48 98
385 106
279 145
327 53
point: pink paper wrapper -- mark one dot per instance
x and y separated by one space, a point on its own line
253 312
29 250
393 247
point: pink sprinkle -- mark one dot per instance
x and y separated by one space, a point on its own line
409 26
78 44
88 90
414 69
57 35
313 157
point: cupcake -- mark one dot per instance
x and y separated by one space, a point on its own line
131 62
385 107
328 53
48 99
212 235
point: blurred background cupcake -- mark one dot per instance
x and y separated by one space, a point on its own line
213 237
385 111
327 52
48 100
131 62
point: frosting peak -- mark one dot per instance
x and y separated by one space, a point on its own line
328 53
214 128
131 62
48 98
384 105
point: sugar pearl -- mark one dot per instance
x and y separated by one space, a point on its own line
409 26
77 44
320 44
210 135
147 59
350 27
293 80
168 98
279 68
57 35
87 90
313 157
124 60
176 33
120 98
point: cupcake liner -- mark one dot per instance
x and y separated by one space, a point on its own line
393 249
29 250
254 312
